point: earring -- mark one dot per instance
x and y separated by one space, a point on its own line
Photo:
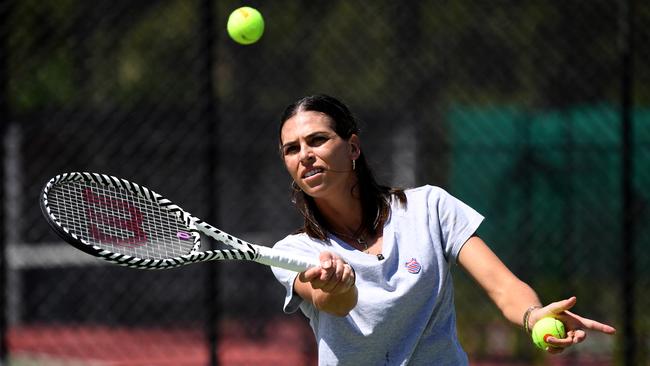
294 186
354 164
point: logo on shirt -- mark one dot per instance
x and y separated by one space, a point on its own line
412 266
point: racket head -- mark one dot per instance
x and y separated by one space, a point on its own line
118 220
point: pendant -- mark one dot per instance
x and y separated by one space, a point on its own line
362 241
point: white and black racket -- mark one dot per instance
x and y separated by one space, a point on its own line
131 225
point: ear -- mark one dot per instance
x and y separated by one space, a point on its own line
355 147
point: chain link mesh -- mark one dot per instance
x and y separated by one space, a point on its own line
515 107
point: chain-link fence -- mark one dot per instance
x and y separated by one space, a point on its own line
536 113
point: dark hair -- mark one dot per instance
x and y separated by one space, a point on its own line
375 198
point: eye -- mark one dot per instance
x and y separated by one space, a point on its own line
290 149
318 140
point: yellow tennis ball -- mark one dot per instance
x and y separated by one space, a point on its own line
546 327
245 25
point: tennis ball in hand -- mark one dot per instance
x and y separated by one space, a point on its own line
245 25
547 327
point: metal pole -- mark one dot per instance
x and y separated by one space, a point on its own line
627 174
211 120
5 118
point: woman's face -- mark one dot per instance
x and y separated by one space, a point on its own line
318 159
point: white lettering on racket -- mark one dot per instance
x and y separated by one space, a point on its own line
183 235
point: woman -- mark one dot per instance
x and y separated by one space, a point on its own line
383 293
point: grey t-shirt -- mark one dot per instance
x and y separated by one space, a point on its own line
405 312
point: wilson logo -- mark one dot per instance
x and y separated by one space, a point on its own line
113 221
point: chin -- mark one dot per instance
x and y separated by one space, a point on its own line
316 191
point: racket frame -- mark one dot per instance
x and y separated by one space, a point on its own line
241 250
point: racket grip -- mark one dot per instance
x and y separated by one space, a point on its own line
275 258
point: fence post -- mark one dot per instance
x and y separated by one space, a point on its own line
210 120
5 118
627 184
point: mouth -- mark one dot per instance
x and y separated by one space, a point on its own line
312 172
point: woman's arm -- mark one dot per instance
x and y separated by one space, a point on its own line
514 297
511 295
329 287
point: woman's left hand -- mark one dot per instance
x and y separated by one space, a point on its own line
574 324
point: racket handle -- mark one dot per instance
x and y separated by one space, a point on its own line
276 258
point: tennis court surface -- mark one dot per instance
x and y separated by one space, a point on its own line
283 343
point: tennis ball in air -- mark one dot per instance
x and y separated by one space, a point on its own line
547 327
245 25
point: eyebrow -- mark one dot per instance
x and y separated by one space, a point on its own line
311 135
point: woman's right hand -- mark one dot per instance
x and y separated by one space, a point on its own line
331 286
334 276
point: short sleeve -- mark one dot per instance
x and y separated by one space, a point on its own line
296 244
457 222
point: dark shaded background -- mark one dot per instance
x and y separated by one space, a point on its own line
534 113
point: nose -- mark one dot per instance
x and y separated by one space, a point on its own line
306 155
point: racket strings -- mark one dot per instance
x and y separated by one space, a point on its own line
119 221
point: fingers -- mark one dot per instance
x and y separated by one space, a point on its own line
338 277
333 276
310 274
553 309
559 307
558 345
575 321
600 327
575 325
327 265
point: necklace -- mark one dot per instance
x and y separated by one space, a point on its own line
358 238
363 242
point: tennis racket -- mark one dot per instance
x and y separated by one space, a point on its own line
130 225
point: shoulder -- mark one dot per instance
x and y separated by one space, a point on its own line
425 190
431 199
300 242
426 194
293 239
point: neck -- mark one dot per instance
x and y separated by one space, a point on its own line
342 216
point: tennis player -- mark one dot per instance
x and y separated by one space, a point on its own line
383 294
